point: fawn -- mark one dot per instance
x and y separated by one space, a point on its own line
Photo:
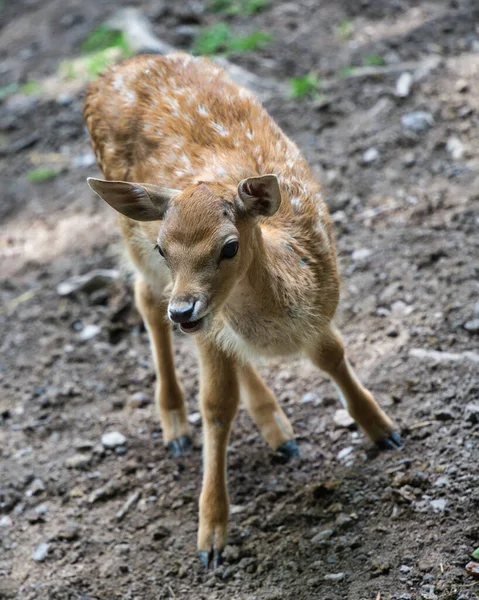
230 239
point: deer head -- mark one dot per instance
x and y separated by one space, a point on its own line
205 236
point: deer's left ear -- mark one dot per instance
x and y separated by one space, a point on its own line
259 196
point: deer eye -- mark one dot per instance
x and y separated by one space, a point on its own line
229 250
157 247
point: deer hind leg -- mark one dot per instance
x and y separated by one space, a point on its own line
169 395
329 356
219 398
266 412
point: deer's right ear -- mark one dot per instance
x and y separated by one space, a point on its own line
138 201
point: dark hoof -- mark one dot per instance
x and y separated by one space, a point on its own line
180 445
392 442
211 558
288 449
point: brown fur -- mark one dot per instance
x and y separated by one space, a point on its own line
180 122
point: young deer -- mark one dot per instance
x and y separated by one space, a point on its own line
231 240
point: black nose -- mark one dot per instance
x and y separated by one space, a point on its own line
180 311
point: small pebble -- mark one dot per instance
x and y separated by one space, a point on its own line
78 461
370 155
5 521
89 332
322 536
343 419
112 439
403 85
439 504
194 417
455 147
472 326
139 400
345 452
417 121
334 576
310 398
361 254
37 487
41 552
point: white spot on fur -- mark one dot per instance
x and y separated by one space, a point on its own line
249 134
185 160
220 171
202 110
130 96
118 82
296 202
221 129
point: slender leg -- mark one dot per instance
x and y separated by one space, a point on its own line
266 412
219 397
169 396
329 355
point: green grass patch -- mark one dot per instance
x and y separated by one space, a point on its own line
102 38
102 47
254 41
31 88
247 8
373 60
219 39
347 71
475 554
213 40
307 85
344 31
42 174
90 65
8 90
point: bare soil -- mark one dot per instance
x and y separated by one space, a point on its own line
399 525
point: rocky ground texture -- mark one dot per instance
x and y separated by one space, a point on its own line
91 505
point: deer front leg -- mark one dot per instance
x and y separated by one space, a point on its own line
169 396
329 356
266 412
219 397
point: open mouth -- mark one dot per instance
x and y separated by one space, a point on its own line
191 326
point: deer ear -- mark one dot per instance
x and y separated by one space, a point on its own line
260 196
138 201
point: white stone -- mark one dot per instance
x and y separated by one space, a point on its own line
361 254
112 439
41 552
89 332
439 504
345 452
417 121
194 418
455 147
5 521
370 155
334 577
342 418
403 85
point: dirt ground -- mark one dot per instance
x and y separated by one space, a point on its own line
343 521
